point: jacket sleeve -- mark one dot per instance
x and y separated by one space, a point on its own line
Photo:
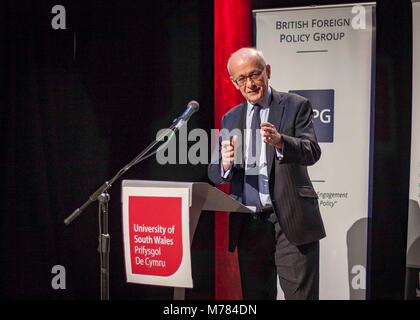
303 147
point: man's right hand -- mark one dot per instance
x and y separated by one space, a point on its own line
228 153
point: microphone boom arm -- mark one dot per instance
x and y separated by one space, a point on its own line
102 196
107 184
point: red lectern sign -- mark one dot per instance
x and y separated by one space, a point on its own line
156 236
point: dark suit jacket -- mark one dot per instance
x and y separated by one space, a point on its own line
294 200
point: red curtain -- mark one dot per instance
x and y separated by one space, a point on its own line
232 30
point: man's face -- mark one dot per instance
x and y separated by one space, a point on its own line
250 78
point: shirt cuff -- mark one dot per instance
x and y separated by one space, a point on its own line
223 173
279 153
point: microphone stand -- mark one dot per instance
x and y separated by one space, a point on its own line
101 195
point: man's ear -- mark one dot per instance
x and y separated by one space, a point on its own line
268 71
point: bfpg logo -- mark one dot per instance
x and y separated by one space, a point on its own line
323 105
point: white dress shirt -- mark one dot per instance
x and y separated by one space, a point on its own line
261 160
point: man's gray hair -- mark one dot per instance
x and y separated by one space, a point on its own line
247 52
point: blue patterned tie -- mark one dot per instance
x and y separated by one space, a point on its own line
251 195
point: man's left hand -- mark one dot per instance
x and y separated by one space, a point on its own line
270 135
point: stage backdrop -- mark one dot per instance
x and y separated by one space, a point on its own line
412 289
325 54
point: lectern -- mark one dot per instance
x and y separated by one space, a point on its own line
159 221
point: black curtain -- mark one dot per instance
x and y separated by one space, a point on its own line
77 105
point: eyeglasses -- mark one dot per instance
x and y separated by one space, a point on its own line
254 75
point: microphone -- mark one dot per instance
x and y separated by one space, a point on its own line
192 108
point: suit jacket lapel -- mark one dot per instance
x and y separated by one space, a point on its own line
242 125
275 116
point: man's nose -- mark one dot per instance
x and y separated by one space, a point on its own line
252 82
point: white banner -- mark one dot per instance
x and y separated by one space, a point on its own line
413 236
325 54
